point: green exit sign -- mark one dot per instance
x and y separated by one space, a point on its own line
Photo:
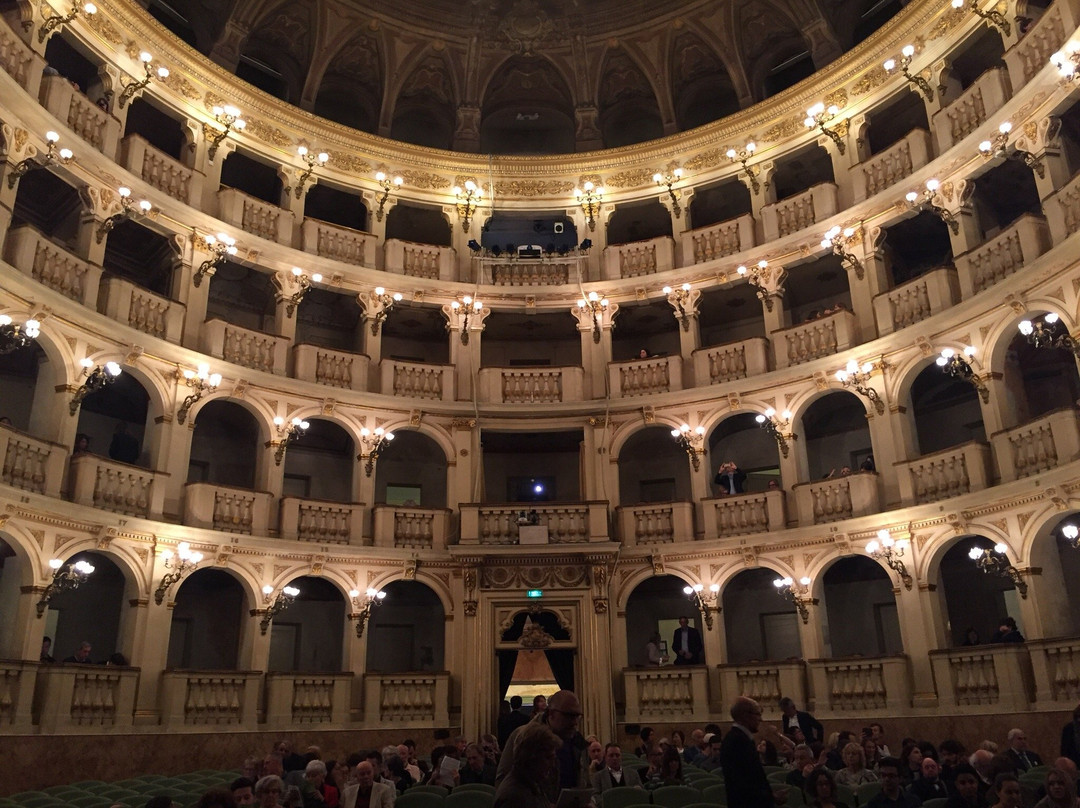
535 593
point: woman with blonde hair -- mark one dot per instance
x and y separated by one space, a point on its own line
1060 791
534 765
854 773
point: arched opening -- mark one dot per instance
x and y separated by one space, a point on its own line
532 466
424 109
207 621
115 421
727 316
718 203
12 573
860 610
702 89
147 259
800 171
741 440
760 624
1037 381
308 636
628 111
243 296
45 203
536 656
649 327
29 382
663 477
654 608
1058 586
419 225
836 434
407 633
638 221
252 176
89 613
974 600
415 333
321 465
336 206
224 446
913 247
411 471
817 287
946 411
527 109
157 127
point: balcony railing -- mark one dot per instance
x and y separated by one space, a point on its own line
338 243
799 212
30 464
52 266
1056 667
419 260
837 498
815 338
639 258
1063 211
735 360
126 303
530 385
233 510
984 679
916 300
411 526
85 118
311 698
676 693
209 698
885 169
255 216
861 685
313 363
742 514
549 270
1038 445
948 473
159 170
567 523
642 377
718 240
1032 53
417 380
765 682
1003 255
321 521
118 487
17 682
418 700
244 346
968 111
20 62
656 523
85 696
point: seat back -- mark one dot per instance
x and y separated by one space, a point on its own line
867 792
624 797
675 796
468 799
419 799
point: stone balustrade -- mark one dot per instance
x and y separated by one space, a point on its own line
20 62
244 346
639 258
419 260
85 118
674 693
989 679
862 685
1032 52
884 169
84 696
338 243
1001 256
655 523
718 240
313 363
1062 210
118 487
222 507
1037 445
743 514
418 700
203 699
411 526
787 216
907 304
159 170
836 499
255 216
550 270
17 682
765 682
948 473
52 265
520 385
968 111
815 338
322 521
734 360
559 523
123 301
31 464
1056 669
642 377
294 699
417 380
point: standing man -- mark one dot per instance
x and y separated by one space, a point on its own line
82 656
747 785
1070 738
562 716
811 728
687 645
729 479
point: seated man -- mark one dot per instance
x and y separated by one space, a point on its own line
803 764
891 795
930 786
477 769
613 775
1019 753
710 761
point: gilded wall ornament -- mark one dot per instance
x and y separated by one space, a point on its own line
425 180
531 188
635 178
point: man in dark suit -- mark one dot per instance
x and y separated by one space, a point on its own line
1070 738
613 775
1018 751
811 728
687 645
729 479
747 785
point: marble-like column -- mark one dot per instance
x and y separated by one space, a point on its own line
464 332
595 330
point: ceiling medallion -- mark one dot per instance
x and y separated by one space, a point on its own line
526 27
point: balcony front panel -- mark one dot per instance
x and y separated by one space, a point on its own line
816 204
313 363
836 499
866 685
968 111
916 300
85 118
639 258
117 487
1062 210
718 240
815 339
19 61
1056 668
317 520
676 693
200 700
643 377
1032 53
52 266
17 682
30 464
419 700
765 682
159 170
655 523
338 243
307 699
1037 446
735 360
244 346
948 473
743 514
417 380
567 523
530 385
885 169
420 260
411 527
985 679
85 696
233 510
549 270
123 301
1003 255
255 216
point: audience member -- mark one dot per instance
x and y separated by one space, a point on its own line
46 650
911 758
747 785
929 786
712 760
854 773
1008 791
399 776
1022 757
533 768
440 775
983 762
82 655
687 645
268 790
803 763
971 637
1070 738
595 753
216 798
653 652
950 755
729 479
516 719
562 717
769 754
1060 791
613 775
671 768
645 735
966 793
243 791
652 775
678 740
124 447
820 789
1007 631
891 795
477 769
540 705
82 445
365 791
810 726
877 734
872 754
867 465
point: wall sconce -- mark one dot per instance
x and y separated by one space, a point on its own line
387 185
756 277
312 161
55 21
994 561
777 427
287 432
229 117
888 550
182 563
282 602
1045 334
303 283
926 201
839 241
906 55
467 201
222 247
691 442
201 382
1072 534
132 87
465 307
742 157
999 147
63 580
589 197
596 305
993 16
373 444
669 180
97 379
128 210
958 367
819 115
678 298
382 302
799 594
51 157
1067 60
373 599
706 604
856 376
14 337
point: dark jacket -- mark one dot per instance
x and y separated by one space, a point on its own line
747 785
810 726
1070 742
724 482
1018 761
693 643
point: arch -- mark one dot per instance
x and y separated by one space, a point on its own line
969 596
440 588
859 608
424 106
1046 548
118 422
226 444
1035 381
666 477
93 612
350 89
820 429
318 645
407 602
750 599
626 101
201 636
747 445
941 409
322 463
702 89
527 107
414 459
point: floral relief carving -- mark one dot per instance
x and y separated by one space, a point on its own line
350 162
268 134
530 188
782 130
707 159
631 179
424 180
